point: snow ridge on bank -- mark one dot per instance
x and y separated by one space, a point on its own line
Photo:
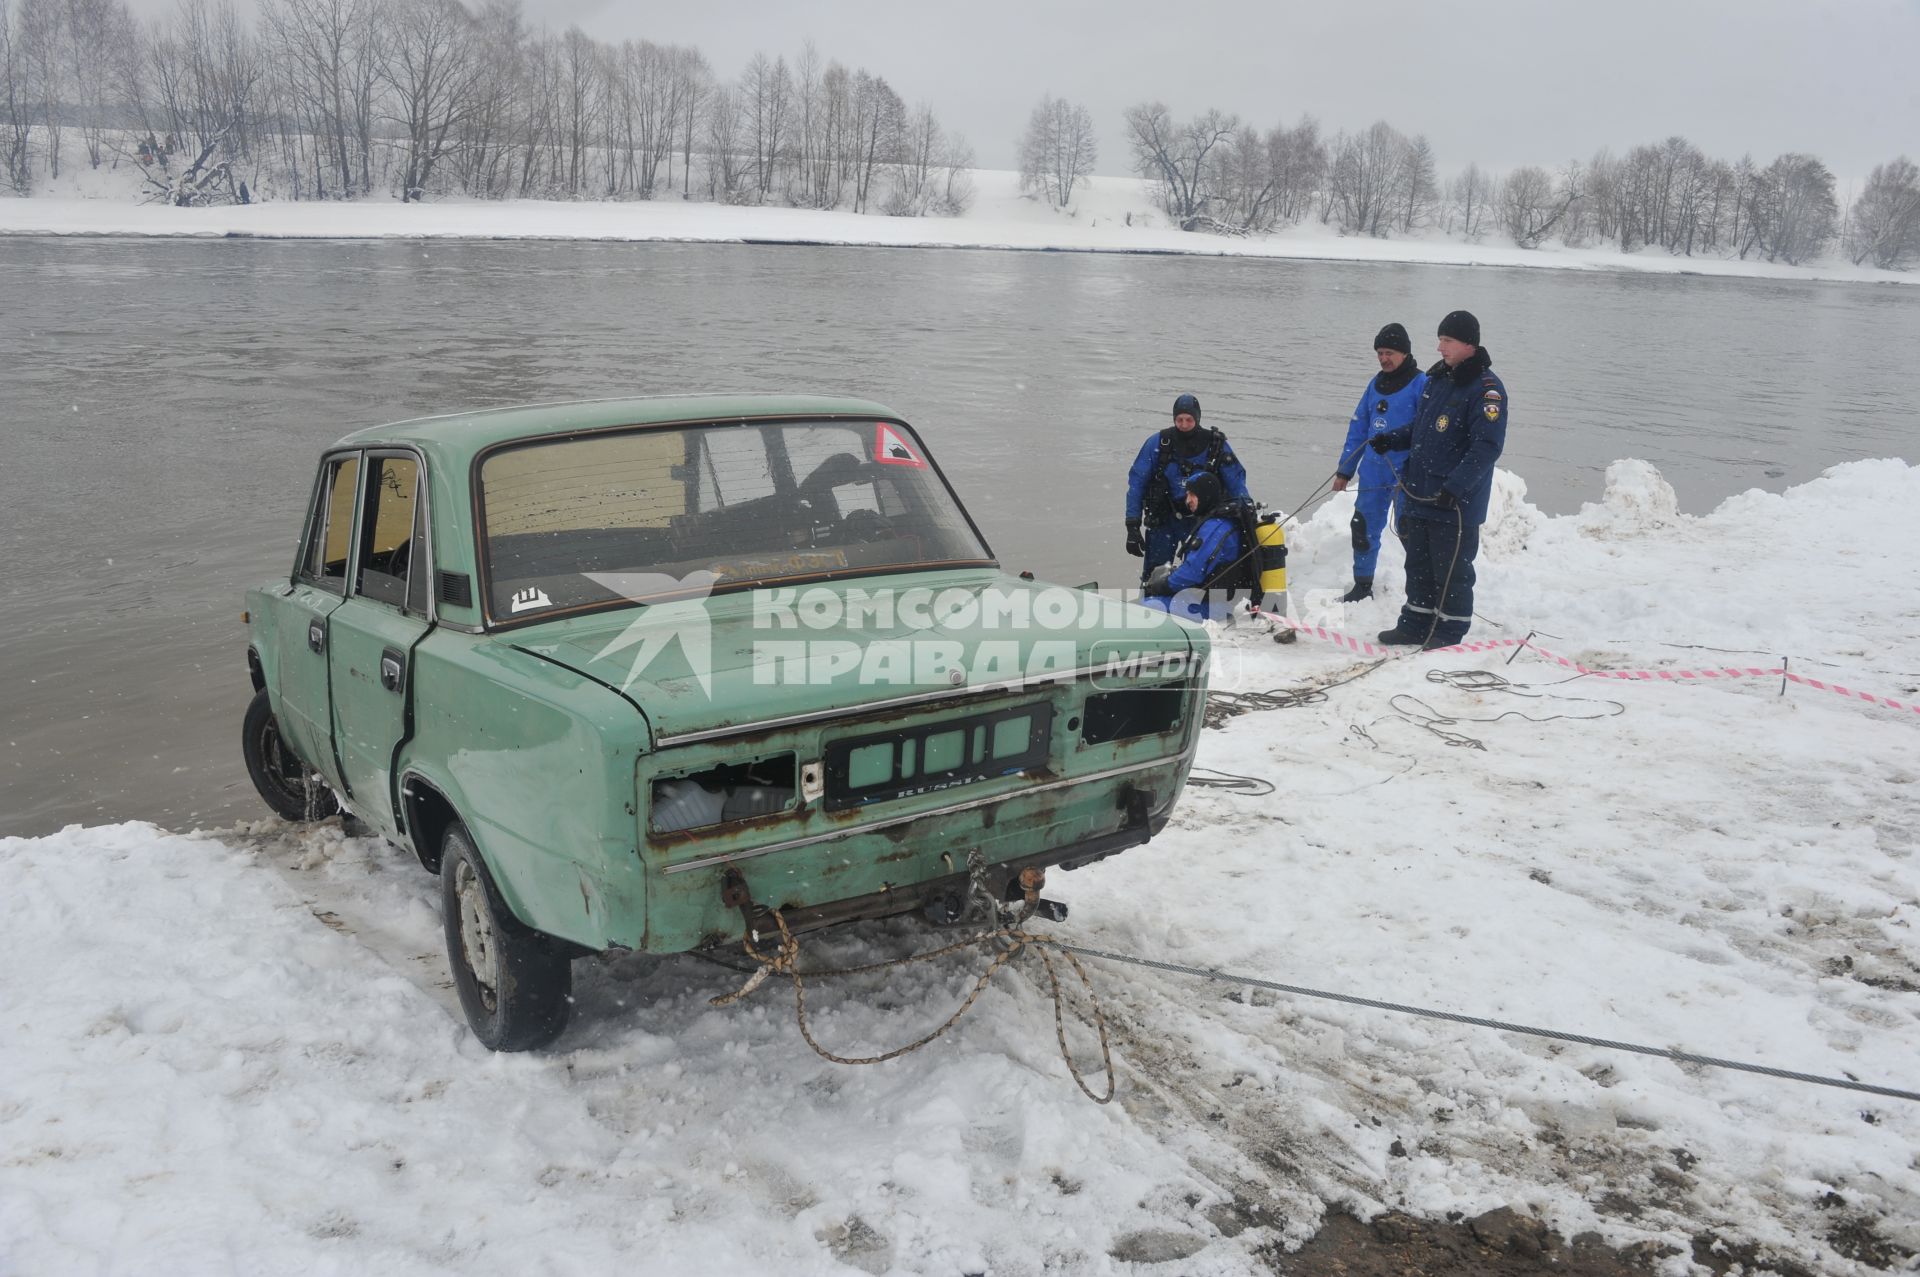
1111 215
238 1049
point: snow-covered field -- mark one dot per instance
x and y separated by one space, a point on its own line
1114 214
237 1051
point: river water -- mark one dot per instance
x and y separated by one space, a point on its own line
162 404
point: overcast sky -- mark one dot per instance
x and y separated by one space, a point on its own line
1497 81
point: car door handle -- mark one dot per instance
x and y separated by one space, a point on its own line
393 669
316 635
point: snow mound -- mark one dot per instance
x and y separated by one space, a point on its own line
1637 501
1512 520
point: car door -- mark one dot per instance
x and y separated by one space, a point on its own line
372 634
304 702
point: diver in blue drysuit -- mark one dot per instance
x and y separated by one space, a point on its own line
1212 559
1157 485
1390 401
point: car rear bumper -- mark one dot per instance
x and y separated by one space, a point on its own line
1001 880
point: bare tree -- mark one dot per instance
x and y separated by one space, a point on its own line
1419 184
1174 156
1532 203
432 65
1241 177
1885 221
726 172
325 52
1369 171
582 66
1058 150
484 135
648 116
696 91
16 110
1745 236
97 32
537 121
879 120
1298 161
1468 197
1797 215
39 41
766 91
816 147
916 165
956 177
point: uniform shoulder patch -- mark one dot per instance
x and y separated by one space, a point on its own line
1492 410
1490 392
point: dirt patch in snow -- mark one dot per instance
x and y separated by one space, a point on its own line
1500 1243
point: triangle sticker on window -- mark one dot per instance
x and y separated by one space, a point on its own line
891 448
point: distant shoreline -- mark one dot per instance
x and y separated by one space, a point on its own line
1006 223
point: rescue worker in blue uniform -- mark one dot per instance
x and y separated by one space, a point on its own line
1212 560
1157 485
1387 404
1457 434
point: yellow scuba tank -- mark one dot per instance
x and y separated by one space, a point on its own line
1271 561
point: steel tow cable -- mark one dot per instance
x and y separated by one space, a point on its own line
1667 1053
782 962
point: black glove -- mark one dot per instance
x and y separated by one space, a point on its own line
1379 444
1157 582
1135 546
1446 501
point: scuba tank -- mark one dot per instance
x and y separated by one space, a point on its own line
1270 560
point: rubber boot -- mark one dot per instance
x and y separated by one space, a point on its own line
1397 637
1362 589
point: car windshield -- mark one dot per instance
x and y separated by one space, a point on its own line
593 520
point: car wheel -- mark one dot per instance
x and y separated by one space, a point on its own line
515 984
294 790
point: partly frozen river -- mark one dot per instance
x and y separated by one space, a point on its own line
162 403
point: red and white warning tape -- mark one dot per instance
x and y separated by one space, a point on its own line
1649 676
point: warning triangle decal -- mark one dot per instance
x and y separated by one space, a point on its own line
891 448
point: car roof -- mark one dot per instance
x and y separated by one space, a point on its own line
467 433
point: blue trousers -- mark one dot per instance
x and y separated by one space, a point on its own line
1372 503
1440 553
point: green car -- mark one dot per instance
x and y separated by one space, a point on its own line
631 675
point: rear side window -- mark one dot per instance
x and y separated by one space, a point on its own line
330 525
389 521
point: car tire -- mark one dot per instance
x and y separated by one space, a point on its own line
515 985
293 789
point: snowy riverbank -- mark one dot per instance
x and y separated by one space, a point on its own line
1115 215
238 1048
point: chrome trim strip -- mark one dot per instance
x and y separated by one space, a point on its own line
898 702
878 825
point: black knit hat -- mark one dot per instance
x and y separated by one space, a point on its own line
1461 326
1393 337
1187 403
1206 486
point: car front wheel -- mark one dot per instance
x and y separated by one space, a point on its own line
293 789
516 985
